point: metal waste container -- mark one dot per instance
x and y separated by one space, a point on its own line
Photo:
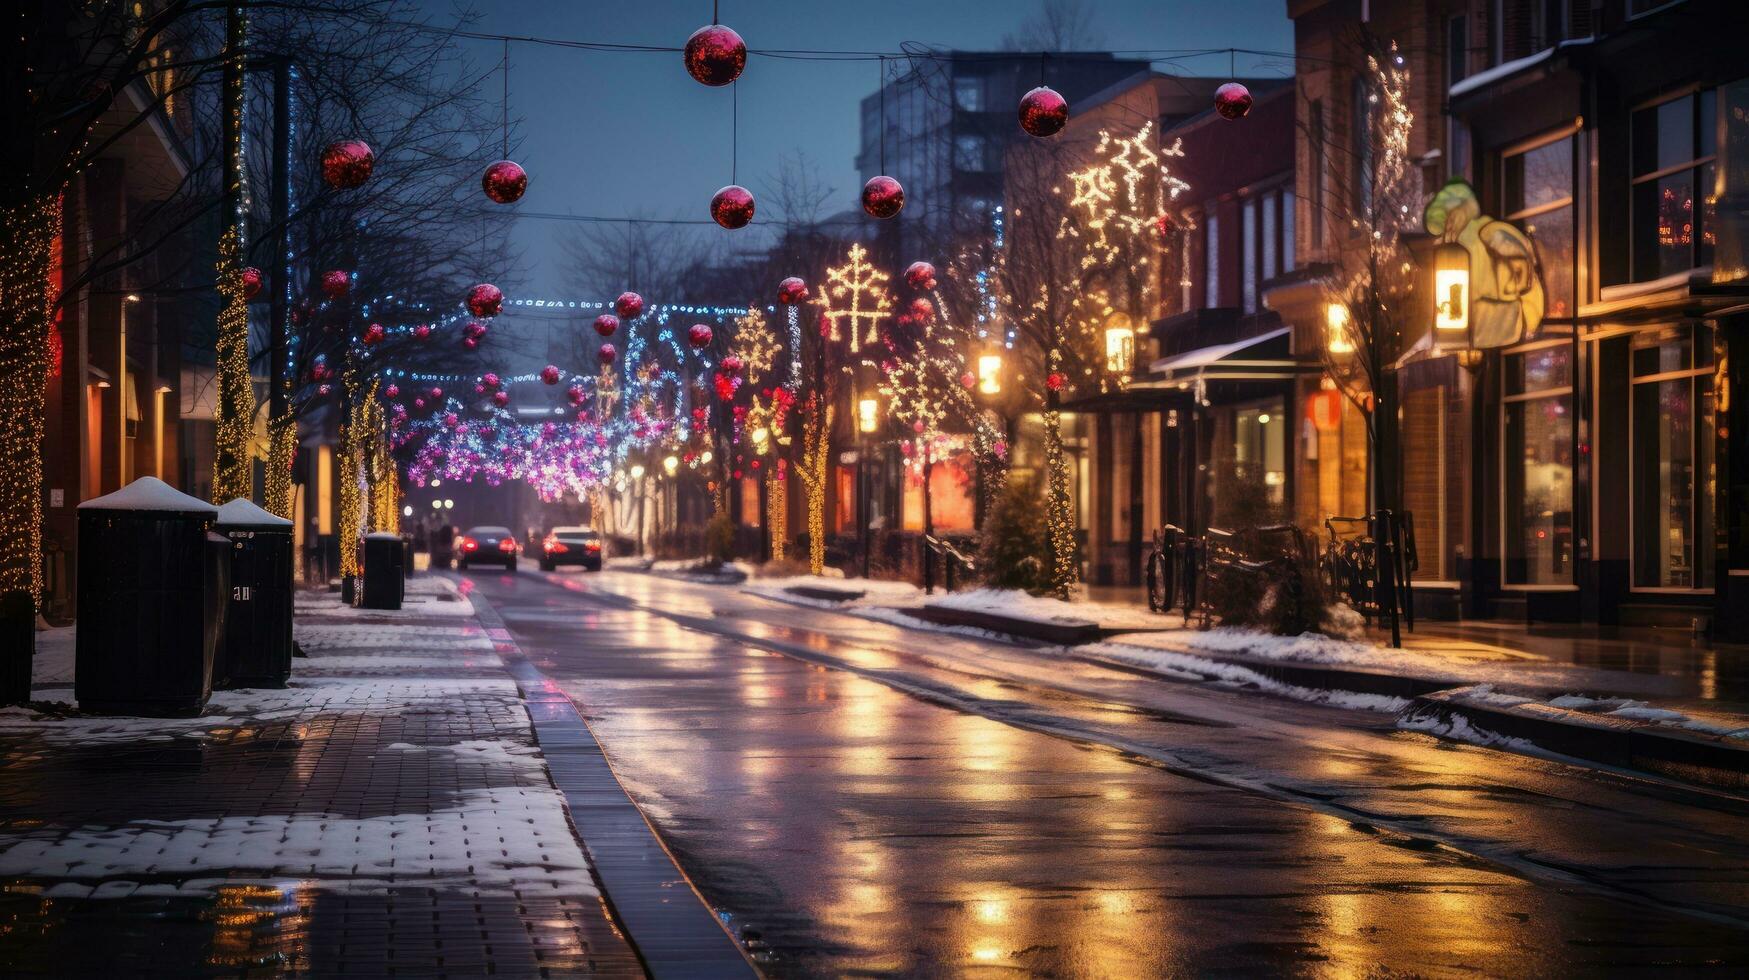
149 601
257 647
17 646
385 580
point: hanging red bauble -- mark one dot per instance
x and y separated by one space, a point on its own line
699 336
347 163
1232 100
490 379
336 283
792 290
606 324
419 403
606 354
629 306
732 207
485 300
883 197
731 365
451 420
575 394
1055 381
474 329
501 398
470 343
921 275
436 394
550 374
504 182
325 390
968 379
251 280
392 391
480 388
374 334
1163 225
715 55
422 332
921 311
1043 112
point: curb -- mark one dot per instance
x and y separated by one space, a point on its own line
1324 677
1066 633
825 593
1691 756
673 935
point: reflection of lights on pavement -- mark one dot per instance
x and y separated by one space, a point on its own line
992 911
986 953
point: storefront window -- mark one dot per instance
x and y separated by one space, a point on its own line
1673 458
1674 144
1539 199
1538 446
1247 446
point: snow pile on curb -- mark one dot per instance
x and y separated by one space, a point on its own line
1021 605
876 592
1185 666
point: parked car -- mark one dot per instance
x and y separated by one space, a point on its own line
571 546
487 545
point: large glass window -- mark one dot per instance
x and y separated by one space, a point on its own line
1248 260
1673 458
1538 447
968 93
1211 226
968 152
1674 146
1539 199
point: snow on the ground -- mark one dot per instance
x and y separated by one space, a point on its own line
1183 666
1022 605
702 571
508 840
875 591
426 595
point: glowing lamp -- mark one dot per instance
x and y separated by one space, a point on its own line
990 373
1451 294
637 471
1120 344
867 415
1336 330
671 464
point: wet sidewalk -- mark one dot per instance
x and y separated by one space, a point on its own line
390 813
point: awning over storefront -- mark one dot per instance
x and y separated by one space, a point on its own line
1265 357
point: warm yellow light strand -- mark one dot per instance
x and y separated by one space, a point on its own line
27 240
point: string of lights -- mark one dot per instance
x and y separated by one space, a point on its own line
28 236
234 413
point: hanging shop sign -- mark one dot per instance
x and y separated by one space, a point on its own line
1497 300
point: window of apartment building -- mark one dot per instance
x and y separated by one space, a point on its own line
1537 495
1673 433
1265 242
1211 250
1360 126
1248 257
1316 172
968 93
1457 50
968 152
1674 145
1538 183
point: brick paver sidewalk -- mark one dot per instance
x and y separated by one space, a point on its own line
388 814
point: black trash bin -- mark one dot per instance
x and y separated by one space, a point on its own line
257 647
385 581
150 604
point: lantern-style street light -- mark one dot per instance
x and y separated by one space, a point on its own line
1120 343
671 464
990 374
1337 336
1451 295
867 415
868 412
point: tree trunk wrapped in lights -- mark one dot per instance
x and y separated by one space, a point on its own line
282 450
1059 508
813 472
234 415
27 239
777 508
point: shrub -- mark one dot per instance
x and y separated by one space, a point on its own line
1013 550
1281 592
719 539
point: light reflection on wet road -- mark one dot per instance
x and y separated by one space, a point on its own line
882 819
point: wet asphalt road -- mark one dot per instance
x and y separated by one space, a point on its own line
856 798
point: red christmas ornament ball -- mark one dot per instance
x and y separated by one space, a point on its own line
883 197
490 380
1163 225
732 207
606 324
922 310
450 419
920 275
336 283
731 365
1232 100
504 182
436 394
474 329
1043 112
325 390
374 334
347 163
968 379
422 332
485 300
1055 381
699 336
792 290
575 394
392 391
470 343
251 280
715 55
606 354
629 305
501 398
550 374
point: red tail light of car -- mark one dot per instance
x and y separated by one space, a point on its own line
555 547
592 546
507 545
469 544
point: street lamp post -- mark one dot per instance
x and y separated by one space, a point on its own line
637 474
867 420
